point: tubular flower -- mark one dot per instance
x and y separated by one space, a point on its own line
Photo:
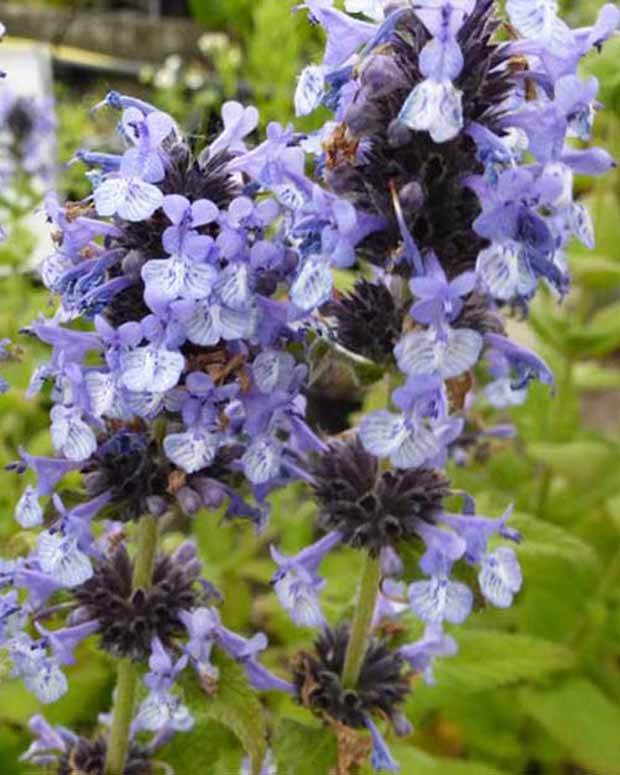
445 174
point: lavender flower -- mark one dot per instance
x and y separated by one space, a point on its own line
449 170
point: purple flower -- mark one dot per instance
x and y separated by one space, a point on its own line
381 758
297 582
440 599
147 133
238 123
421 653
500 576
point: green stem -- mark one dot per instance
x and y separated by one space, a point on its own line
362 620
128 671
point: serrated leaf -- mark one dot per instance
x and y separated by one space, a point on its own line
303 749
541 538
582 719
488 659
580 461
234 705
415 761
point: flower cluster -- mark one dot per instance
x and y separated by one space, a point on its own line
28 137
445 177
173 388
185 388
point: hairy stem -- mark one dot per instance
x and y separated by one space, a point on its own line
362 621
128 671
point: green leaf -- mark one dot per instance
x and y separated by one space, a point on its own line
592 376
488 659
415 761
303 749
543 539
235 706
595 272
582 719
580 461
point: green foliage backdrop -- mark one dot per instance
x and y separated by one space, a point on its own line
534 690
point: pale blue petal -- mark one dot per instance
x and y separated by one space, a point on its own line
110 195
310 90
313 285
234 286
165 277
416 448
504 273
371 8
60 558
71 435
262 459
500 577
101 390
417 353
438 599
273 370
140 202
501 394
191 451
151 369
48 683
582 226
382 432
238 324
434 107
460 352
29 512
203 326
538 20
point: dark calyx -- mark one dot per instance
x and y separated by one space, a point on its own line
130 619
368 321
87 757
381 685
427 176
131 469
373 509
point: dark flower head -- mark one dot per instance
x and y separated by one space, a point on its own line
131 470
130 619
368 321
373 509
426 175
381 685
87 757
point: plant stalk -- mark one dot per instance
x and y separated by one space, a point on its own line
362 620
128 672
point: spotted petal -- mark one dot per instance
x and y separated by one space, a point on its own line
382 432
151 369
421 353
101 390
313 285
504 272
500 576
439 598
191 451
310 90
28 511
273 370
434 107
71 435
418 446
62 560
261 461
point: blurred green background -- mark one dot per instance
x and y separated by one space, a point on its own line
534 690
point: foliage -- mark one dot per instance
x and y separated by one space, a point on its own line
535 689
